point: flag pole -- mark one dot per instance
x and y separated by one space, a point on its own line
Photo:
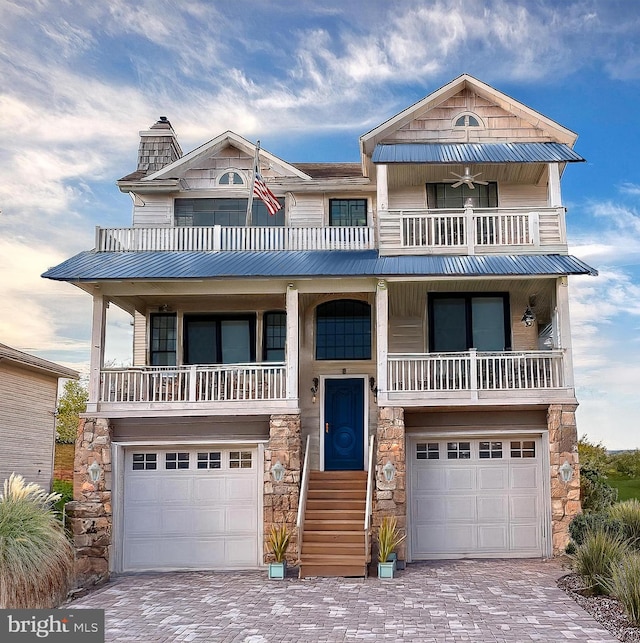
253 183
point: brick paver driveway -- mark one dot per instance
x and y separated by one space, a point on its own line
481 600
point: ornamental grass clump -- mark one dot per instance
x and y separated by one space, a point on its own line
624 584
596 557
279 539
628 513
36 558
389 538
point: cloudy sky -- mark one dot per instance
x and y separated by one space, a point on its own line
307 78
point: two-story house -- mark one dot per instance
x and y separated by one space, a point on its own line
394 340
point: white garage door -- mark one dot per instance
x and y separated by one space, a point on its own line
476 497
190 508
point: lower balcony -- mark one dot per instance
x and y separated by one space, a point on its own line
432 379
194 390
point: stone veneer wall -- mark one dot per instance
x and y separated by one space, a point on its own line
565 497
281 499
89 516
390 498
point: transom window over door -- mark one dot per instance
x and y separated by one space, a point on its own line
458 322
347 212
343 330
219 339
224 212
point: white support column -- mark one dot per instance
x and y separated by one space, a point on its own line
564 328
382 189
293 334
382 339
98 329
554 195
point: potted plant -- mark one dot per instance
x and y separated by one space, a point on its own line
278 544
389 538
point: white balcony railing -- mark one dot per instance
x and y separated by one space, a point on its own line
194 383
233 238
470 229
476 371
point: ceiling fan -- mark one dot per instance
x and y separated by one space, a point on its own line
467 178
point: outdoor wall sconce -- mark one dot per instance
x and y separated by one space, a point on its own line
389 471
94 471
566 472
374 388
528 318
314 389
277 471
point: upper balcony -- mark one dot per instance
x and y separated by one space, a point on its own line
473 231
233 238
411 231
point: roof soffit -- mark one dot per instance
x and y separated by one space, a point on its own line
369 140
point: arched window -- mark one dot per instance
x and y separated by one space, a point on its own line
467 120
343 330
231 178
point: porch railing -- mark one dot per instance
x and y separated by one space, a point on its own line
302 502
233 238
481 228
194 383
476 371
368 512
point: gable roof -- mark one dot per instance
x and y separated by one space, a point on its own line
35 363
369 140
213 146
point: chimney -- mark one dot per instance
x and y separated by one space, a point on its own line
158 147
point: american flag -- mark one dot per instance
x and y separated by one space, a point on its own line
261 190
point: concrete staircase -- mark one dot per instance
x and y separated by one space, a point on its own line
333 541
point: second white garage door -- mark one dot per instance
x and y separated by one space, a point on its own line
190 508
476 497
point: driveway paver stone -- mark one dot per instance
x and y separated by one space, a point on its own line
497 601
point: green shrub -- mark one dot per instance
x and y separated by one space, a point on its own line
595 558
625 585
628 513
583 524
36 558
595 493
64 489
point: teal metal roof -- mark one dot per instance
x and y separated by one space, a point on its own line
96 266
474 153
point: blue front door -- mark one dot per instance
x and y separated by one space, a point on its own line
344 424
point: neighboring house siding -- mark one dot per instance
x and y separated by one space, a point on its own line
139 339
306 210
27 433
156 211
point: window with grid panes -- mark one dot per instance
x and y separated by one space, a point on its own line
275 336
209 460
523 449
176 461
240 459
347 212
224 212
162 351
458 450
427 451
343 330
145 462
489 450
